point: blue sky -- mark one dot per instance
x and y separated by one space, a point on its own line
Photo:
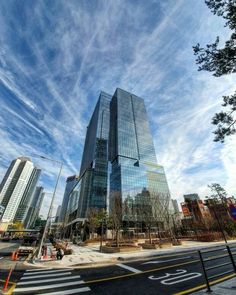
56 56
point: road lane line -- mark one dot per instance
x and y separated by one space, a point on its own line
47 280
48 286
72 291
38 269
46 271
143 272
46 276
129 268
161 261
188 291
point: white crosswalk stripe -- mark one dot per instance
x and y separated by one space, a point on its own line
46 275
46 271
47 280
38 269
50 281
68 292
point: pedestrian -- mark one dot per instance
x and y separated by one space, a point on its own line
60 254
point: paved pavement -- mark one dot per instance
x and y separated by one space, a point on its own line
225 288
90 255
162 271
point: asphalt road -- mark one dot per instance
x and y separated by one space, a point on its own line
162 275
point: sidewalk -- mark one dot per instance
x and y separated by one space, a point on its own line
225 288
88 256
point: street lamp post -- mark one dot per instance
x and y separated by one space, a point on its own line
51 205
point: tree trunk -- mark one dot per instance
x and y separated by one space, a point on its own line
117 238
149 234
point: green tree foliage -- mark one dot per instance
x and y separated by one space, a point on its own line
221 61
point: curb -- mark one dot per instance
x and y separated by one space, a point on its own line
115 260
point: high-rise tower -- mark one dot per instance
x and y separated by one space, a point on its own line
17 186
119 161
71 182
24 206
136 178
34 207
94 166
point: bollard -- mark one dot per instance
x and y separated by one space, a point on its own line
7 280
13 255
16 256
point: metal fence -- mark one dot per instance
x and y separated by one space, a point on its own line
228 257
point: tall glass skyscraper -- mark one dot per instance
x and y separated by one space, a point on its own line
135 177
92 181
119 160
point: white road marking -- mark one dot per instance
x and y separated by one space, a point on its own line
46 271
38 269
161 261
129 268
188 276
47 280
1 258
48 286
175 278
46 275
73 291
167 275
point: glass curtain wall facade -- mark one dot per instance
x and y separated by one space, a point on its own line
119 134
136 179
35 207
71 182
93 177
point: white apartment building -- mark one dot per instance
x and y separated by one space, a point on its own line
13 187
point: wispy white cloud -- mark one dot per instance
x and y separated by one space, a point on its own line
55 60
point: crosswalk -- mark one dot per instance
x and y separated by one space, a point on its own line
50 281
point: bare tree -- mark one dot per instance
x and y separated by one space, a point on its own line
95 217
162 212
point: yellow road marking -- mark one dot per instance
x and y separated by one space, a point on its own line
204 285
140 273
11 289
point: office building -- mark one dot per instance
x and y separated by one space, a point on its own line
93 176
135 174
119 161
58 214
191 197
16 187
34 207
70 186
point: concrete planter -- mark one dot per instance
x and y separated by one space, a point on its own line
165 245
109 249
177 243
150 246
